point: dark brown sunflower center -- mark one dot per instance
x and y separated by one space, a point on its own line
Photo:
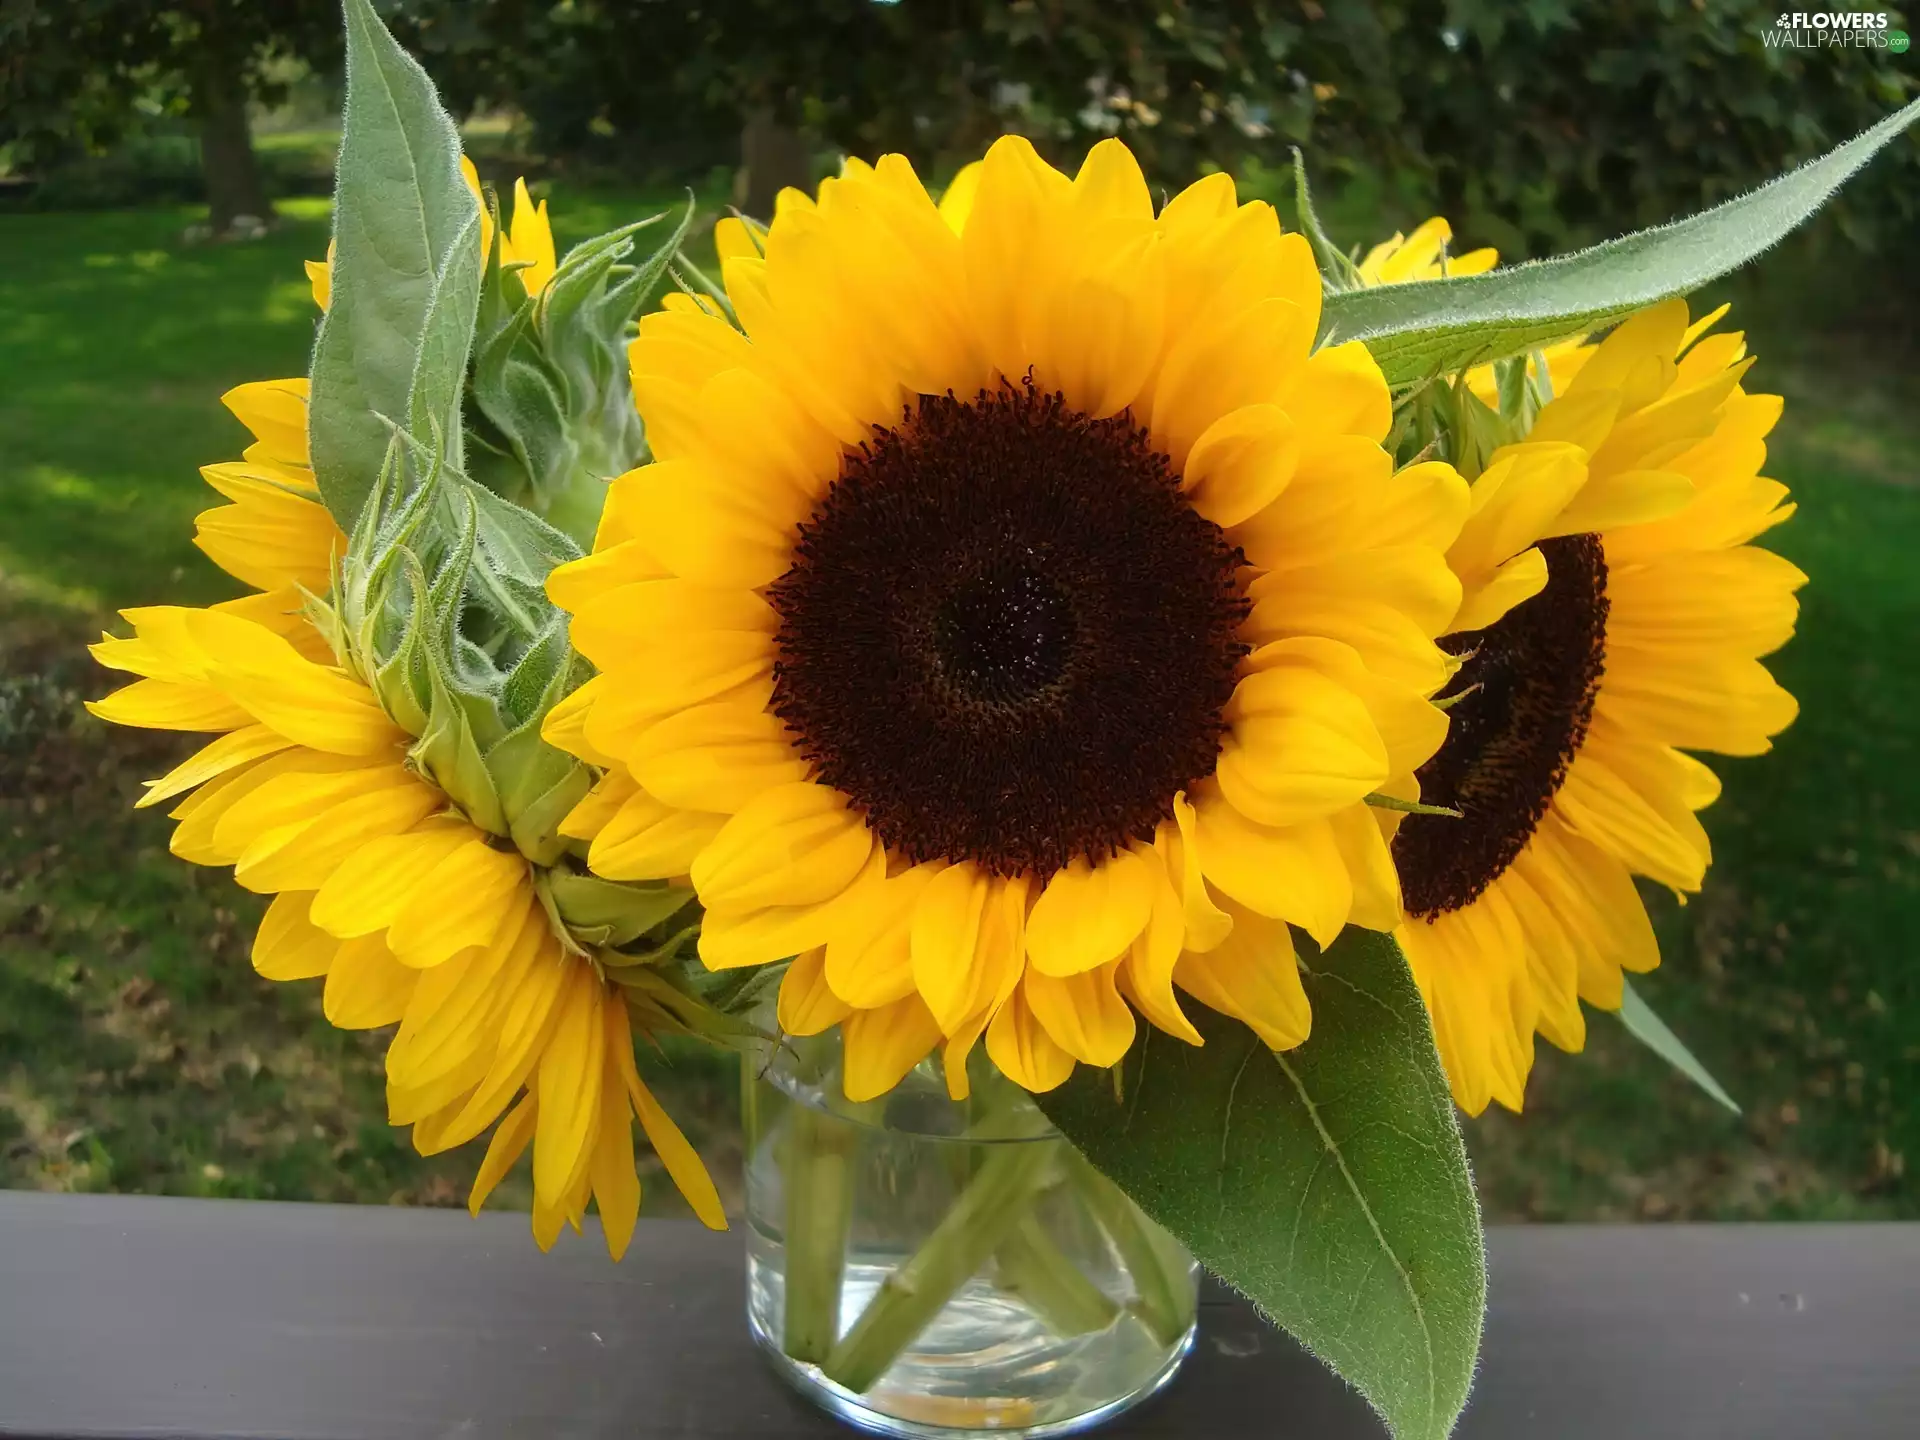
1524 701
1003 637
1006 635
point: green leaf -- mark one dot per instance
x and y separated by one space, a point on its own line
392 348
1327 1183
1651 1031
1439 326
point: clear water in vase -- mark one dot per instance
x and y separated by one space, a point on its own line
924 1267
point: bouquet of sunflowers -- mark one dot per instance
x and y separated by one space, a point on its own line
1124 713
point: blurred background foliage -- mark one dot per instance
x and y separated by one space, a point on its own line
138 1050
1536 125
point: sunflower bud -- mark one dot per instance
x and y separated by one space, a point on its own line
442 612
552 416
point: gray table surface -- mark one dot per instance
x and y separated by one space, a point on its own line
141 1316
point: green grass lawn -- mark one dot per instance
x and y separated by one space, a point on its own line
139 1052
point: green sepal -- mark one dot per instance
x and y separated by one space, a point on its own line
612 912
401 680
448 753
538 784
1651 1031
521 397
1381 801
710 292
1337 270
1441 418
665 994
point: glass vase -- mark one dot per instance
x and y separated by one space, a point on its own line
919 1266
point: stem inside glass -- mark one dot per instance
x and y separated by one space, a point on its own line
921 1265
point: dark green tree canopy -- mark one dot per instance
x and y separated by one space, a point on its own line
76 74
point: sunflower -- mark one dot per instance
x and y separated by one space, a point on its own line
1015 618
527 241
414 916
308 794
1613 619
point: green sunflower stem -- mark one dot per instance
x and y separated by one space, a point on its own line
1033 1267
1161 1270
818 1177
981 1219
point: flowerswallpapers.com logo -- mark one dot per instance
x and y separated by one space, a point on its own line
1835 29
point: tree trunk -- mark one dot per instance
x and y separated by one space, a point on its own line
772 157
226 144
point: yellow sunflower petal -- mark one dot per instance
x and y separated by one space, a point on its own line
1241 463
532 983
288 946
883 1043
237 747
682 1162
1206 924
276 412
1302 744
733 938
570 1073
990 977
1146 973
168 705
943 933
452 1023
1252 975
1089 914
869 960
1024 1051
1376 883
795 844
1515 502
598 807
305 855
715 757
366 987
1082 1012
1295 873
366 893
1342 388
646 840
807 1003
509 1143
467 899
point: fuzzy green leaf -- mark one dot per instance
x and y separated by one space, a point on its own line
392 349
1651 1031
1440 326
1327 1183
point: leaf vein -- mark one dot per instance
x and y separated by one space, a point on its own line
1373 1224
